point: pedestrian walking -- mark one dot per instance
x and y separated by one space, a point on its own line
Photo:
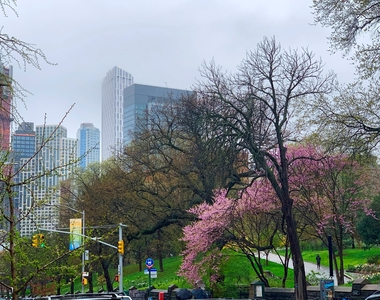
318 259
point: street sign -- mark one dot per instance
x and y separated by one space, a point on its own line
149 263
85 274
152 270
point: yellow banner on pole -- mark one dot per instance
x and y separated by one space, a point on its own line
75 233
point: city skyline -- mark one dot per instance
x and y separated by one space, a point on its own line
161 43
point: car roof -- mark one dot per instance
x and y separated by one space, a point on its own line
92 296
375 295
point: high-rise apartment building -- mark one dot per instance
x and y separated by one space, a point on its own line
54 161
23 148
6 74
138 99
24 141
88 137
113 86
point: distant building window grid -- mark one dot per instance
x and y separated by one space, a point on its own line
61 149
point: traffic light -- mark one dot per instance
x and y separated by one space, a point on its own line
116 278
35 240
42 240
120 247
84 281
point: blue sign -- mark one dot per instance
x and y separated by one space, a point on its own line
151 271
149 263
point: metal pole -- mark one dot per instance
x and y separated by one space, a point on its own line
120 261
83 235
83 253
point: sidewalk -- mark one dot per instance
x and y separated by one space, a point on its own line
308 267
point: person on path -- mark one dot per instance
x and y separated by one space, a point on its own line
318 259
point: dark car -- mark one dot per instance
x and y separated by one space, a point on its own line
375 295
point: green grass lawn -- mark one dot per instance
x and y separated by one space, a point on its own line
237 270
352 257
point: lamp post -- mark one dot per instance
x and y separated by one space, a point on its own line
83 235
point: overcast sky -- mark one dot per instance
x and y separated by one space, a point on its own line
160 42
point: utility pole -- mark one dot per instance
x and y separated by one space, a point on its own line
121 260
83 253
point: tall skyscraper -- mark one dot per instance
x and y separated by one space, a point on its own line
113 86
54 162
139 98
88 137
6 75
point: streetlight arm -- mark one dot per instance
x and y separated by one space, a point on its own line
91 238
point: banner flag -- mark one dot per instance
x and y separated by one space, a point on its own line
75 233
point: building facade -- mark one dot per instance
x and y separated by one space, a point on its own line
24 141
113 86
88 137
54 161
6 74
138 99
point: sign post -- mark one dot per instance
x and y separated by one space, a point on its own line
149 264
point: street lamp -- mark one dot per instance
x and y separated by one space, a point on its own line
83 235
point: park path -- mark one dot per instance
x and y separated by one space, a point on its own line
325 271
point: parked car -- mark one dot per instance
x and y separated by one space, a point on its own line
375 295
86 296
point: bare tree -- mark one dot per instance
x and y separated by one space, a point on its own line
23 175
253 110
21 53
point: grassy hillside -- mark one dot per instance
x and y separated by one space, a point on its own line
237 270
134 277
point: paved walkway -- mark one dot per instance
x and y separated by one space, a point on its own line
325 271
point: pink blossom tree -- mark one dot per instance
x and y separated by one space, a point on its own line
328 192
249 225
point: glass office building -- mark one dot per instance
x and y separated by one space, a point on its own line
88 137
138 99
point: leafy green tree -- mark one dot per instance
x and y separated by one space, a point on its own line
369 225
348 121
349 21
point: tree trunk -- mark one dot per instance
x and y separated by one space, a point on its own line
298 264
107 276
159 251
58 281
90 283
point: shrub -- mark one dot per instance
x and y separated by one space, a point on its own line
374 259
